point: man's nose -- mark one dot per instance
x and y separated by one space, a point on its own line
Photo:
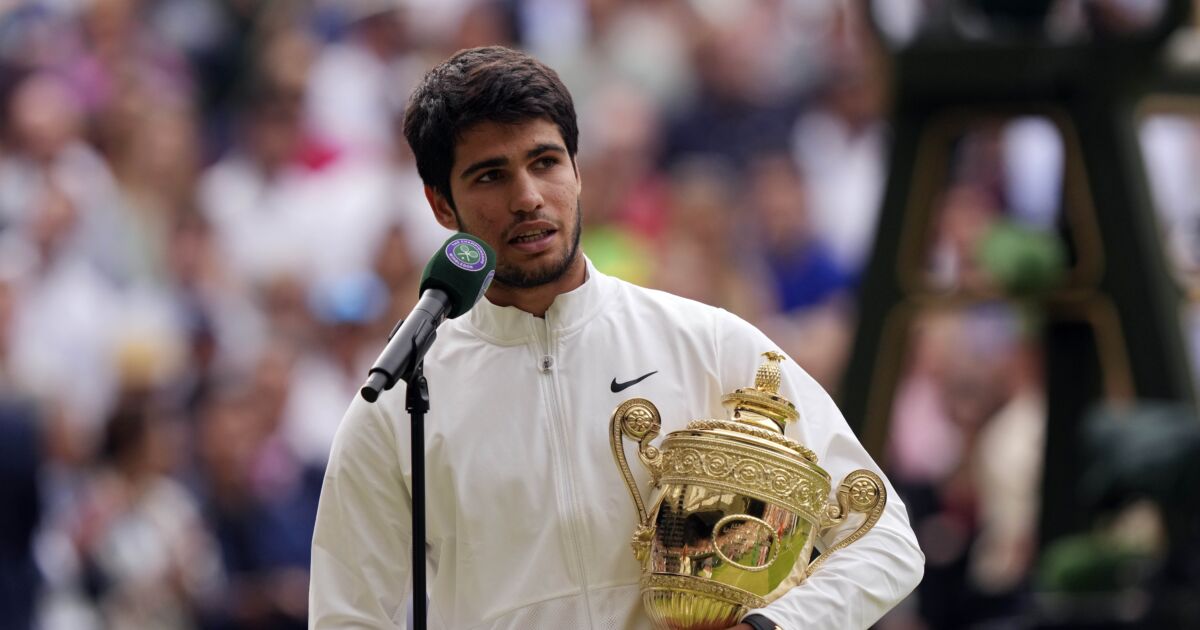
526 195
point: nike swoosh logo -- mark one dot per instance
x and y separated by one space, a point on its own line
617 387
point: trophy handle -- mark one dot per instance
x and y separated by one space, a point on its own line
639 420
860 491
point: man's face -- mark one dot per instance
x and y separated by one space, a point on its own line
515 187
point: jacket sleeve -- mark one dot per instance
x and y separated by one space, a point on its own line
861 582
361 548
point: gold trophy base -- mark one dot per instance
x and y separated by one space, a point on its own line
676 602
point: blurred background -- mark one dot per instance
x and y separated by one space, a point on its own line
209 221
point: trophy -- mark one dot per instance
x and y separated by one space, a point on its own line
735 506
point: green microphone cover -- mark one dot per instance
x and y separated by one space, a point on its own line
463 268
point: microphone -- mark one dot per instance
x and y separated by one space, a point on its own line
454 280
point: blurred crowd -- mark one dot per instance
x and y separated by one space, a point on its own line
209 221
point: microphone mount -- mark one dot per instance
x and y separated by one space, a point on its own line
407 344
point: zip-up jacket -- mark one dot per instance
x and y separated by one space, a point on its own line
529 521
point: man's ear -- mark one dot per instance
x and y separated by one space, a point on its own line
442 211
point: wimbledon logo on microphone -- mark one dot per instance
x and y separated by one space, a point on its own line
466 254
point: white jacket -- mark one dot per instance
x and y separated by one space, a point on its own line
529 521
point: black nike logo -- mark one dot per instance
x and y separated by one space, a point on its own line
617 387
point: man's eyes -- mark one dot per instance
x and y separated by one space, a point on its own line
496 174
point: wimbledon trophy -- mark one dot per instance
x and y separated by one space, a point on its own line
736 507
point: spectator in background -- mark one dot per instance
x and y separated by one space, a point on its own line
64 324
20 465
399 270
966 214
331 372
224 326
839 144
644 45
483 23
359 83
735 115
627 215
968 430
156 161
262 527
803 271
144 558
285 204
700 260
47 150
23 446
119 51
809 313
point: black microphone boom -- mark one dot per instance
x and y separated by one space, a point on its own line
407 344
454 280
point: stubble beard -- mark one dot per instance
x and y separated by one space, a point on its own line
513 276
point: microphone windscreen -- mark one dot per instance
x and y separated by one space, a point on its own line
463 268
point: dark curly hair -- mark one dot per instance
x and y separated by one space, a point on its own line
489 84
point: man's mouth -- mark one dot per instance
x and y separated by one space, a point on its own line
533 239
530 236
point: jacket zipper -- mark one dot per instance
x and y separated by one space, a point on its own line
546 364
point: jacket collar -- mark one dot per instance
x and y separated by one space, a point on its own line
508 325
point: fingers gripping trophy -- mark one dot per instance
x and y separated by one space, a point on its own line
735 506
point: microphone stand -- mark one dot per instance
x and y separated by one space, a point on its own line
416 402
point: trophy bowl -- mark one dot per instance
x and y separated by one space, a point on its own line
736 507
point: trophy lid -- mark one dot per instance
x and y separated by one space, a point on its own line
761 405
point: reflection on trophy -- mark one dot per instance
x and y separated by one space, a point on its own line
735 508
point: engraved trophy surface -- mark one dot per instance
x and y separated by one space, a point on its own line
735 506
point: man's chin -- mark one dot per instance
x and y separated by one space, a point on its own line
533 273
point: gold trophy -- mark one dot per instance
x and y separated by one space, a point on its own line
735 507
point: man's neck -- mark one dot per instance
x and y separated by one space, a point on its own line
537 300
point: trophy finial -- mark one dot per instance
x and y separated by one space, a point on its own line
761 405
768 376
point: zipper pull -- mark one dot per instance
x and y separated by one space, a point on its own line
547 363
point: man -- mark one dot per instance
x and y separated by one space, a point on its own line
528 519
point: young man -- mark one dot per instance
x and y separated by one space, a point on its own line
529 521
